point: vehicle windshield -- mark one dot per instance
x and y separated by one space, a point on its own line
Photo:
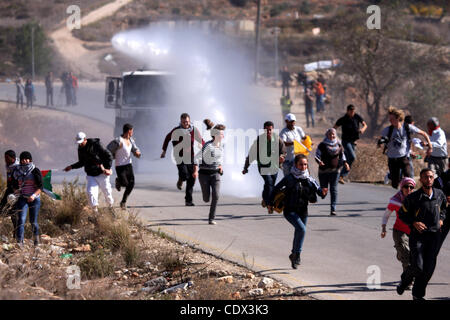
145 90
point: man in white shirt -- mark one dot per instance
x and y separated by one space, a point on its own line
437 160
122 148
290 133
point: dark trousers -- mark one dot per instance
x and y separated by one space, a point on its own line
424 249
210 184
19 100
285 90
309 114
49 97
125 176
269 185
399 167
330 178
185 172
29 101
444 230
350 154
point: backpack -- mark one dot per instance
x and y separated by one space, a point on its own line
391 129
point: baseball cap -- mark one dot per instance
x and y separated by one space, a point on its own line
80 137
290 117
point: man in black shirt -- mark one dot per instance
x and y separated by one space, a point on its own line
350 133
424 212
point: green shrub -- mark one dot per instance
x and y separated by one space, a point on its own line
96 265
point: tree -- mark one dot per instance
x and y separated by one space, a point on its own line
23 53
381 66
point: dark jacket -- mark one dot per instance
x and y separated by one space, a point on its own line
91 156
443 182
418 207
332 160
298 193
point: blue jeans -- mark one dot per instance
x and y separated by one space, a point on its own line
330 178
320 102
22 207
269 185
299 223
287 165
350 154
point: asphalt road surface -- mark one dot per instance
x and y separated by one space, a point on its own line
342 256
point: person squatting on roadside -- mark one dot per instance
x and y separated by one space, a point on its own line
331 157
424 212
397 140
350 123
97 162
269 152
121 149
437 159
183 137
401 231
290 133
11 162
443 183
208 167
27 185
300 189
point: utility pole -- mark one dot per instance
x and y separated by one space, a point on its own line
257 40
32 52
276 31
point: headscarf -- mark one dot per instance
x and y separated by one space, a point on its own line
327 140
405 181
298 174
23 170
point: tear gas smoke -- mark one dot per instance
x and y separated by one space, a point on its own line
212 79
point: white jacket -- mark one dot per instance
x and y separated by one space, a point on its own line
439 143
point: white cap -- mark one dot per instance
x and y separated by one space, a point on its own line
290 117
80 137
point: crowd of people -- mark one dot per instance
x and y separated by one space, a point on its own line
421 221
26 91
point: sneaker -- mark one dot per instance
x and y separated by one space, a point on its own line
20 245
386 178
190 204
117 185
180 184
295 260
332 213
212 222
400 289
36 241
263 204
123 206
418 298
270 211
341 180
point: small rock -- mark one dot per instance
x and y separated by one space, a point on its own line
125 277
156 282
250 276
256 292
300 292
226 279
135 275
61 244
56 249
83 248
118 273
5 239
3 265
265 283
236 295
45 239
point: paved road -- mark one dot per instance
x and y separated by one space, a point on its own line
337 250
